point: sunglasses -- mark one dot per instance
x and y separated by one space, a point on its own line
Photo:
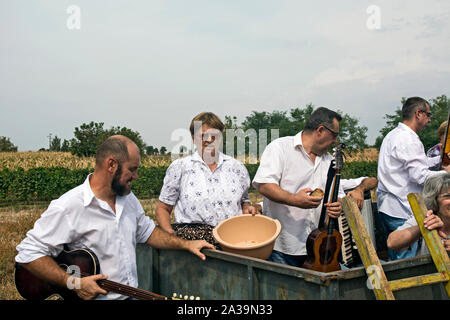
427 113
334 133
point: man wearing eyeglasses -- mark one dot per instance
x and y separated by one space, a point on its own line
290 169
403 167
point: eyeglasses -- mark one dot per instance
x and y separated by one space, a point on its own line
427 113
209 136
334 133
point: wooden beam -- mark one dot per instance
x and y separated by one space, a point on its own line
418 281
366 249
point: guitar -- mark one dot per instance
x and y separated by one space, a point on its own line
324 244
86 262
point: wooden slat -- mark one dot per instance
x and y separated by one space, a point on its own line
418 281
366 249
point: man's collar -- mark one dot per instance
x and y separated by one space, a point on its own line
403 126
87 191
298 139
89 195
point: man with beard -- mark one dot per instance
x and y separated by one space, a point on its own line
104 216
290 169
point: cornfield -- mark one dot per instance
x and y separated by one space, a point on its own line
366 155
29 159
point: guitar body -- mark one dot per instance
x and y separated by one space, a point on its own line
31 287
323 250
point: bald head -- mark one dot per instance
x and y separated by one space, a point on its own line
116 146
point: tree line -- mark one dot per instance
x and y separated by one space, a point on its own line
87 137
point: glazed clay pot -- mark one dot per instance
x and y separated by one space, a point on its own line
252 236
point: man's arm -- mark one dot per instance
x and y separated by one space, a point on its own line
358 192
163 240
48 270
401 239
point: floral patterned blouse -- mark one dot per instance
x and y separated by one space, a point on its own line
204 196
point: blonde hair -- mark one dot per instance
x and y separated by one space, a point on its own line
441 130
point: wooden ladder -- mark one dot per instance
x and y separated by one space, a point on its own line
383 288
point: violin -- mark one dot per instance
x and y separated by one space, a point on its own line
324 243
445 160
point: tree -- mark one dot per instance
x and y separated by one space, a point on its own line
89 136
55 144
151 150
6 145
289 123
351 134
162 150
65 147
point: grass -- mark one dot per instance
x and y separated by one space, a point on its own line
16 220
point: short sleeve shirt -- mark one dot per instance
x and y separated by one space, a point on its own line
285 163
204 196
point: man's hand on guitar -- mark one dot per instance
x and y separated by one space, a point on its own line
334 209
89 288
303 200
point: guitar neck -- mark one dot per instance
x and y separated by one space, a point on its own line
334 196
129 291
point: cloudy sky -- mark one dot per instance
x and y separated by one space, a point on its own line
153 65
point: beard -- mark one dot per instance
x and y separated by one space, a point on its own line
119 188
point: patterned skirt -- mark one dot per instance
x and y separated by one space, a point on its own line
195 231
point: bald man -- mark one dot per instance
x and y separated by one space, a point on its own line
104 216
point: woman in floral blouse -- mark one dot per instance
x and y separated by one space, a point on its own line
207 186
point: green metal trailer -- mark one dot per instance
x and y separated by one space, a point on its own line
226 276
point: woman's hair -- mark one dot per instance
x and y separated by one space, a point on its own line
441 130
208 118
433 187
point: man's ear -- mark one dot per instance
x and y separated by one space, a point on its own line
320 129
111 165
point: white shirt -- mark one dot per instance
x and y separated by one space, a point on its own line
403 168
348 184
204 196
81 220
285 163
